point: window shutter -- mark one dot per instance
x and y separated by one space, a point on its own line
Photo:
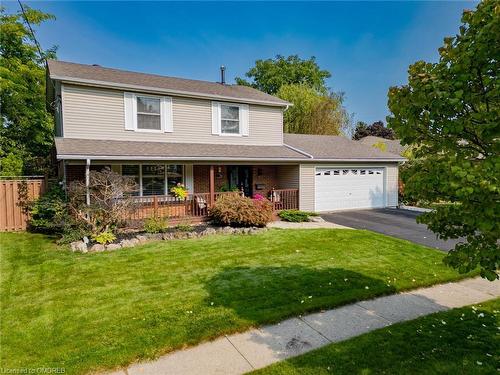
128 101
215 118
167 118
244 119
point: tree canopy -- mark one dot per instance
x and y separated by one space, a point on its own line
316 109
26 131
312 112
269 75
451 111
376 129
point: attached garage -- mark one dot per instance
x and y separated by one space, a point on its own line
342 174
349 188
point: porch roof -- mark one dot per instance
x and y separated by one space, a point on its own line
78 149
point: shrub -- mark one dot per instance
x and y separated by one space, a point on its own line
110 200
295 216
47 214
155 225
236 210
104 237
184 227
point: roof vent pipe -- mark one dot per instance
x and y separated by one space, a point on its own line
223 74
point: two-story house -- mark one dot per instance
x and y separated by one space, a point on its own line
209 136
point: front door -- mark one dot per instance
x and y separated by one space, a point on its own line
240 177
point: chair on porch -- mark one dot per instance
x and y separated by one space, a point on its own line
202 204
276 199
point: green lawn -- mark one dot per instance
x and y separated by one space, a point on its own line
87 312
459 341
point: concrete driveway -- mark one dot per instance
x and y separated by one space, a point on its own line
393 222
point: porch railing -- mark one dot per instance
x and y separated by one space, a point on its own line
197 205
285 199
194 205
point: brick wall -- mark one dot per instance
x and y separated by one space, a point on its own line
264 175
201 178
77 172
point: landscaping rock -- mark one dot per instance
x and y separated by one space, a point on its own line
113 246
208 232
227 230
97 247
74 245
167 236
316 219
127 243
79 246
155 236
134 241
142 239
86 240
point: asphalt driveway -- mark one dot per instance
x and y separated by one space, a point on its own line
392 222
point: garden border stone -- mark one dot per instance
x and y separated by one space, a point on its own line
142 238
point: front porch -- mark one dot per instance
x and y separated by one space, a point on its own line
205 184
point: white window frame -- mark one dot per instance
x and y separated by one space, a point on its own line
243 114
131 113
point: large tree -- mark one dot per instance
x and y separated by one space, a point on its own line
376 129
269 75
316 109
26 128
450 110
313 112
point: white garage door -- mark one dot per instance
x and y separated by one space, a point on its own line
340 188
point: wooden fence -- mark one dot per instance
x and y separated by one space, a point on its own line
12 217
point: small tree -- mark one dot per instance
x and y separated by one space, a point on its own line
110 200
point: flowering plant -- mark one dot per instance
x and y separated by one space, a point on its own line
179 191
258 197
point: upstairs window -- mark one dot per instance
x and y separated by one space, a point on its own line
230 119
148 113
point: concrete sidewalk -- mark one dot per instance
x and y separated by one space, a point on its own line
257 348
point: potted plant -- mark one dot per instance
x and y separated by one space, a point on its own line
179 191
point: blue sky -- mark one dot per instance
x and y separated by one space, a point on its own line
367 46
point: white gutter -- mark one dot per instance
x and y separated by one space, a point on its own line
157 90
215 158
299 151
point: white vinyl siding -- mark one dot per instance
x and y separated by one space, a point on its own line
287 176
96 113
306 190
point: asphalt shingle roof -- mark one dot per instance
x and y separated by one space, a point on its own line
98 75
326 147
393 145
73 148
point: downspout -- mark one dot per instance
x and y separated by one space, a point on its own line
87 182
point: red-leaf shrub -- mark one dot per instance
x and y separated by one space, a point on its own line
235 210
